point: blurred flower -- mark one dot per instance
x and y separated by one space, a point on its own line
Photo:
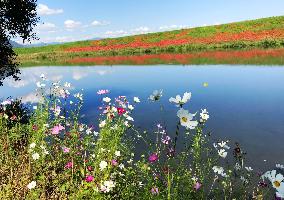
89 178
79 96
180 101
32 145
66 150
114 162
157 94
103 165
89 168
32 185
136 100
155 190
67 85
249 169
166 140
117 153
107 186
222 153
219 170
197 186
130 107
69 165
106 99
102 124
185 119
40 85
205 84
101 92
35 156
56 129
279 166
121 111
153 157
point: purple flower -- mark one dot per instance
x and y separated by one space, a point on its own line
66 150
153 158
197 186
89 178
114 162
155 190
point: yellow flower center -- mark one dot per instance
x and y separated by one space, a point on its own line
276 184
184 119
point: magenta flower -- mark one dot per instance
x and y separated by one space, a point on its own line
56 129
69 165
153 158
121 111
89 178
114 162
197 186
155 190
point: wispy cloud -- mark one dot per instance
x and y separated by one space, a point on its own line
45 10
99 23
71 24
172 27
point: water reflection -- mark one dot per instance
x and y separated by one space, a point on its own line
245 102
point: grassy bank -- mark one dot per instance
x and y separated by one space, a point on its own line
266 33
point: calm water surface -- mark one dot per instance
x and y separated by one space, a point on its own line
246 103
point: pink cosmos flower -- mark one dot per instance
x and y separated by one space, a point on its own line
35 128
69 165
153 158
101 92
89 178
155 190
56 129
114 162
197 186
66 149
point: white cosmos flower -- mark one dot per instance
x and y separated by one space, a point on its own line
32 145
31 185
129 118
180 101
186 119
157 94
67 85
249 169
222 153
35 156
279 166
223 144
136 100
277 181
79 96
103 165
130 107
107 186
102 124
106 99
117 153
219 170
204 115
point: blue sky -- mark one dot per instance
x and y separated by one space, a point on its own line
71 20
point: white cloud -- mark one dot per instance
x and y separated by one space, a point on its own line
46 27
32 98
173 27
77 74
118 33
98 23
71 24
45 10
140 30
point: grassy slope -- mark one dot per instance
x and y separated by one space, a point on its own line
239 35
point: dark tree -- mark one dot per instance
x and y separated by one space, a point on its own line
17 19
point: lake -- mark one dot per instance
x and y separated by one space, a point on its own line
245 103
